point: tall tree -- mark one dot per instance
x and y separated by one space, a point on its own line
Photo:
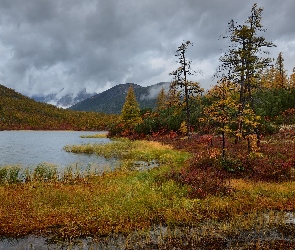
245 60
281 76
130 114
268 78
275 77
173 97
187 88
223 109
161 100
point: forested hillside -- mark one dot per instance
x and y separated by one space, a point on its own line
20 112
111 101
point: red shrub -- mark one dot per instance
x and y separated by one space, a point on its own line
202 178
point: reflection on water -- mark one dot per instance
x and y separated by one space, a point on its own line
29 148
40 243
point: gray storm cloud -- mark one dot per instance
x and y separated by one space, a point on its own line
49 46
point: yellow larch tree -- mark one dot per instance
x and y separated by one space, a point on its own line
130 114
223 109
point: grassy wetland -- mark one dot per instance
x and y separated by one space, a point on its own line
158 196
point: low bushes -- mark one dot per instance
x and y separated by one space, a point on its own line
207 173
202 182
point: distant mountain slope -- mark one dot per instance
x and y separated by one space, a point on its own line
20 112
112 100
64 101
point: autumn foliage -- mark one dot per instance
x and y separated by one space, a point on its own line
20 112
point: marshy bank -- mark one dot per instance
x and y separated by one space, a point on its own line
206 236
161 207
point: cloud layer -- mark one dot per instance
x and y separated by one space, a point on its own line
46 46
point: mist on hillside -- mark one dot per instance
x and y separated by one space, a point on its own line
154 90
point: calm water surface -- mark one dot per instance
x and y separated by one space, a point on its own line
29 148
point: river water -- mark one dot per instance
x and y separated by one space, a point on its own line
29 148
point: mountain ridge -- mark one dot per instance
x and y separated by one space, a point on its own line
112 100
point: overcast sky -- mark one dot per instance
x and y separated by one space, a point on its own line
49 45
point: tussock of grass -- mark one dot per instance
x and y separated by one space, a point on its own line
100 135
132 150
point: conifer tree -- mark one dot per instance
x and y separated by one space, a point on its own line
130 114
275 77
173 97
174 108
188 89
161 100
223 109
244 61
281 76
267 79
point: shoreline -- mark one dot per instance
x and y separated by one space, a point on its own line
163 237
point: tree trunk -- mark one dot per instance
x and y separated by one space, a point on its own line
188 122
249 144
223 144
